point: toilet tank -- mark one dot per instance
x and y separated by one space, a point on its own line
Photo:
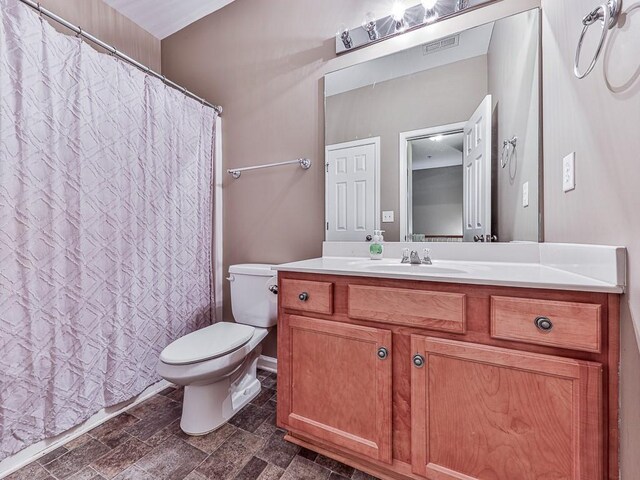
252 302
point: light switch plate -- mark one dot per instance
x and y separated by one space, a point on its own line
525 194
387 216
569 172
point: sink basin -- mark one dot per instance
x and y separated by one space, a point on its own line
408 268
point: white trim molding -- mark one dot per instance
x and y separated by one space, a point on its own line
269 364
218 274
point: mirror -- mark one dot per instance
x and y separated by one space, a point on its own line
439 142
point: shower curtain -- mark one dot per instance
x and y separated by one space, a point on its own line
105 227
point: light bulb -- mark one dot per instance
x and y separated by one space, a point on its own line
369 18
397 12
345 36
430 14
369 25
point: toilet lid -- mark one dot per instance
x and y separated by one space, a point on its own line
207 343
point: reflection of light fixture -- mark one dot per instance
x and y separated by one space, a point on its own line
436 138
397 13
369 24
430 14
345 36
461 5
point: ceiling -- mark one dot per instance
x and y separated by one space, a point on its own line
437 151
162 18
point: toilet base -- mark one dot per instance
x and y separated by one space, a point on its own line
206 408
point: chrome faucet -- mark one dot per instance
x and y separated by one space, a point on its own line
413 258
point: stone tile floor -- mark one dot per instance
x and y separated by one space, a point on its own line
146 443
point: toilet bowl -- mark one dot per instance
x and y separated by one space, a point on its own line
217 364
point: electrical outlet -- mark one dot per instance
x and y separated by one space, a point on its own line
569 172
525 194
387 216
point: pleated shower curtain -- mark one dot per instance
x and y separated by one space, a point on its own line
105 227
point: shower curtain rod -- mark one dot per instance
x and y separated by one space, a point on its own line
114 51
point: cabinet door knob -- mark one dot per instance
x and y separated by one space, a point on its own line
543 324
418 360
383 353
304 296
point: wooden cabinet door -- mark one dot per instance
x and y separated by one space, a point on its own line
333 385
481 412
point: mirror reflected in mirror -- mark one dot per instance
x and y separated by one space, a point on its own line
439 142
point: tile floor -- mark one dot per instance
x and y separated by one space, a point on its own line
146 443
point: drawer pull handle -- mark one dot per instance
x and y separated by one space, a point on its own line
418 360
304 296
543 324
383 353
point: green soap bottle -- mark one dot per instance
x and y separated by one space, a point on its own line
376 248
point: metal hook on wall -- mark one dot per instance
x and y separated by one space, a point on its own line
508 147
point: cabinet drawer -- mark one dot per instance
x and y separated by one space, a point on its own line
307 296
575 326
416 308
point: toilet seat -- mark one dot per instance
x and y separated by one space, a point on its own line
207 343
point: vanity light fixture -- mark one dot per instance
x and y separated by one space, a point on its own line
401 19
430 13
369 24
345 36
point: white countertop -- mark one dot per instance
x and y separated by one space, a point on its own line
594 274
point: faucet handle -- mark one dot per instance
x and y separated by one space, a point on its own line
426 256
405 255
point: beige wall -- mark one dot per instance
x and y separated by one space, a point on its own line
99 19
599 119
266 69
264 62
514 82
438 96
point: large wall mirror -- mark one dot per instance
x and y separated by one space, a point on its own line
439 142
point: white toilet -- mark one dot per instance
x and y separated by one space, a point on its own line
217 364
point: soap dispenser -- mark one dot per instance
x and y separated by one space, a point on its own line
376 248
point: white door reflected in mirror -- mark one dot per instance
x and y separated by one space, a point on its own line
352 190
477 173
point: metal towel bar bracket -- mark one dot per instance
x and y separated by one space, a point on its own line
304 163
607 14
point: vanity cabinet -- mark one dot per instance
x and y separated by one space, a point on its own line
412 379
336 383
487 412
